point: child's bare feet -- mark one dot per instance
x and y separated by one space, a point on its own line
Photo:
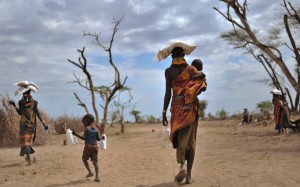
28 160
89 175
34 160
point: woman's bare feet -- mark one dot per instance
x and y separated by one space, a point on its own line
188 180
181 175
97 179
89 175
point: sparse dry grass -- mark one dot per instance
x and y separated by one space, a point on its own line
227 154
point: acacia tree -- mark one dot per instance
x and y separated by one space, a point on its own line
202 107
107 93
243 36
222 114
136 115
265 107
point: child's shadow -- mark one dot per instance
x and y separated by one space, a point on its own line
170 184
11 165
71 183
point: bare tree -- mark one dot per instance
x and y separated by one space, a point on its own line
81 103
88 83
243 36
109 91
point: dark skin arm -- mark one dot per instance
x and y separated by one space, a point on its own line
39 115
84 135
170 74
81 137
167 97
198 76
14 105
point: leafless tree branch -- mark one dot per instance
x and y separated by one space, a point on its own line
81 103
89 85
293 43
116 86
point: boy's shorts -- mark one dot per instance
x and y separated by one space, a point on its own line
90 151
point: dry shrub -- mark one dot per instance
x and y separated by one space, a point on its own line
61 123
9 125
9 130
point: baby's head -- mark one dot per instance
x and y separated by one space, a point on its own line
88 119
197 63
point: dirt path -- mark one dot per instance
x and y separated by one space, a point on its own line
226 155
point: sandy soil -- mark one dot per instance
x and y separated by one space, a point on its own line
227 155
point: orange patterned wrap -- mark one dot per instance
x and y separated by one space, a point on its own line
277 111
185 92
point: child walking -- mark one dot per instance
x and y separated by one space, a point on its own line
90 136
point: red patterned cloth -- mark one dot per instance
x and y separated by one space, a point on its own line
277 111
185 92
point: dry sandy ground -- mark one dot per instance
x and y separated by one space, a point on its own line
226 155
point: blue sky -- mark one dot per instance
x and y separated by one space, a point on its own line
37 37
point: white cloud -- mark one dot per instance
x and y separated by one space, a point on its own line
141 6
37 38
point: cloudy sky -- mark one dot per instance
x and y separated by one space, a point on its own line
38 36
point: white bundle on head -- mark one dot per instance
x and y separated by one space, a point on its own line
276 92
165 52
25 86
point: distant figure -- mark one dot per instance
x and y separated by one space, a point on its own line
245 116
184 121
90 136
250 118
281 111
28 110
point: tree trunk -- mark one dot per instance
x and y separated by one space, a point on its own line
296 103
102 128
122 128
94 100
290 99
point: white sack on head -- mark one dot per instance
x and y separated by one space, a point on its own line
276 92
24 86
21 90
164 53
26 83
